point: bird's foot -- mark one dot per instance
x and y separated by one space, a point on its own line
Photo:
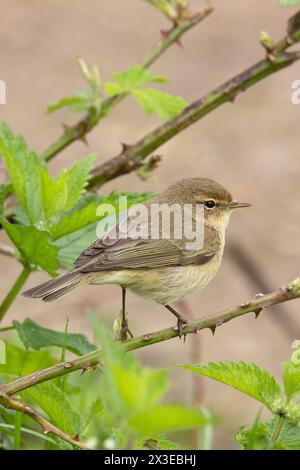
121 328
125 332
181 322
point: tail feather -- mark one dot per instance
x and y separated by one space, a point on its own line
55 288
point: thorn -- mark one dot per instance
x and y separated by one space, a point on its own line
94 367
125 147
84 140
68 365
65 127
213 329
76 438
219 323
257 312
165 34
232 99
85 367
196 330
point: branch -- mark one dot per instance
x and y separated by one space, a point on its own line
276 59
256 305
79 130
18 405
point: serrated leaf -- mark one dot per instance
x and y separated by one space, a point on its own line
291 380
24 168
260 436
164 105
5 189
55 403
135 77
75 221
34 246
61 194
165 6
36 337
166 418
70 246
247 378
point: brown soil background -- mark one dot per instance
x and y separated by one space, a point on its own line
251 146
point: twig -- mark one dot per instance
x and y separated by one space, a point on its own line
79 130
18 405
255 305
12 294
124 162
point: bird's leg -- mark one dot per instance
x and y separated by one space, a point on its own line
181 321
125 332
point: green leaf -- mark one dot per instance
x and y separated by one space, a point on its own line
72 245
34 246
166 106
61 194
166 418
55 403
256 438
75 220
247 378
135 77
20 362
80 102
287 3
5 189
259 437
291 380
36 337
24 169
166 7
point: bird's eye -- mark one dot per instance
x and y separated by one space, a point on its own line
210 204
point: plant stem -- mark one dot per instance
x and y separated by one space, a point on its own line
7 328
17 430
21 407
278 428
14 291
79 130
127 161
255 305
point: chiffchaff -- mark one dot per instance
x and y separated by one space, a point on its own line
163 269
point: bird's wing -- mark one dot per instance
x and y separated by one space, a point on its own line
127 253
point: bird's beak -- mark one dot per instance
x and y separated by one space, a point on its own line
239 205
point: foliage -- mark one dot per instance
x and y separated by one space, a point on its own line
282 431
103 407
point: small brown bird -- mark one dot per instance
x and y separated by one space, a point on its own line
163 269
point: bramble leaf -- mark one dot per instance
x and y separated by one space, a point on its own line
135 77
291 379
247 378
24 168
166 106
34 246
36 337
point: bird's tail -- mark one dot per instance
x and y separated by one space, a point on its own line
55 288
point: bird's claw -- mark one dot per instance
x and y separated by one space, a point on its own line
181 322
125 332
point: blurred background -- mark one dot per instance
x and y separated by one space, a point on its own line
251 146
